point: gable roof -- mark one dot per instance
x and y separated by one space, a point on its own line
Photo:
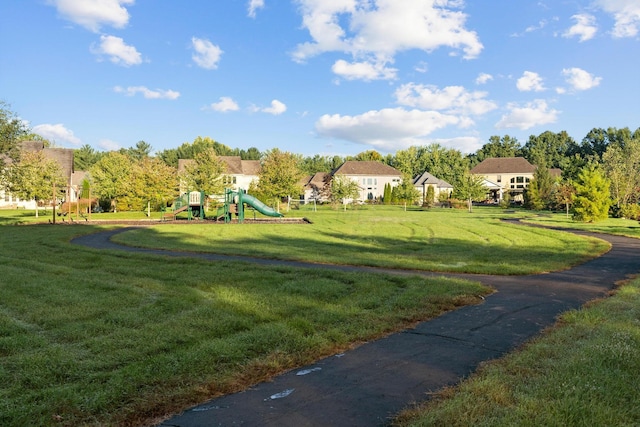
318 180
235 165
354 167
496 165
428 179
62 156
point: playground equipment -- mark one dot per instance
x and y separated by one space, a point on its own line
191 202
234 202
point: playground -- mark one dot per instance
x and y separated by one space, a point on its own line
235 206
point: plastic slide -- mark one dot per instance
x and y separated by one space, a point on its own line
259 206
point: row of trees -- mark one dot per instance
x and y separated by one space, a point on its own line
133 177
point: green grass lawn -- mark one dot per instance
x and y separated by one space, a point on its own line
434 240
619 226
108 338
90 337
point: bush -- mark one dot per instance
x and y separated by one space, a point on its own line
630 211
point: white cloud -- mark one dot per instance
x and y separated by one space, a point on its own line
451 99
579 79
530 81
57 133
225 104
534 28
363 71
207 55
276 108
525 117
109 145
118 51
387 129
254 5
381 28
148 93
483 78
584 28
626 14
93 14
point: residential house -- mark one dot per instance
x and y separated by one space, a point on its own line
371 177
239 173
512 174
63 156
317 187
440 187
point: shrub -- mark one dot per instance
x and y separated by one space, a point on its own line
630 211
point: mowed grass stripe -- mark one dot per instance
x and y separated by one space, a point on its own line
438 240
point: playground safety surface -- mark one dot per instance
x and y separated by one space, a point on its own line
370 384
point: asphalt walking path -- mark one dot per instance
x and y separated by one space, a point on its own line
367 386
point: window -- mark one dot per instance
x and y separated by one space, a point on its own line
499 178
369 181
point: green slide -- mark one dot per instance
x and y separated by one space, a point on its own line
259 206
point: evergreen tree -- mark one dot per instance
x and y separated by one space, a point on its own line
539 195
386 196
429 199
592 199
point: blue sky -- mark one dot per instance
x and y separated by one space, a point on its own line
318 76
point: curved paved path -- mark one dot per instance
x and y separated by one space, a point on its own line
368 385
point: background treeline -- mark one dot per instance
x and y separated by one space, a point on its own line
137 175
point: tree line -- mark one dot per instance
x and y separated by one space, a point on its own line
132 177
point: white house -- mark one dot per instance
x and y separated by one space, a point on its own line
512 174
63 156
426 180
238 174
371 177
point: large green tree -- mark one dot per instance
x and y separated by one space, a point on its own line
445 163
153 182
343 189
205 173
189 150
550 149
12 131
141 150
280 175
34 176
592 197
540 194
497 146
621 164
85 157
112 177
470 188
405 192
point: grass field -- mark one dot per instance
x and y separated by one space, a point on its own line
434 240
90 337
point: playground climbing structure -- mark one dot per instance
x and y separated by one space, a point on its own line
234 202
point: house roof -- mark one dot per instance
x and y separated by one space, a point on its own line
353 167
428 179
496 165
235 165
62 156
318 180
